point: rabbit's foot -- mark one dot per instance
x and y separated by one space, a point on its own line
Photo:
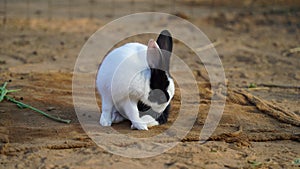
139 126
105 119
149 120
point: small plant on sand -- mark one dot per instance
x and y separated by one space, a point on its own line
4 96
252 85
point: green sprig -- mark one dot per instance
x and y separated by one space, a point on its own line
3 91
3 95
252 85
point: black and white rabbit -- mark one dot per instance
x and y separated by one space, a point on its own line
135 78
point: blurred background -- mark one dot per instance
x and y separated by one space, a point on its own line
256 39
111 9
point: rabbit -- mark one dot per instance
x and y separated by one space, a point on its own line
134 83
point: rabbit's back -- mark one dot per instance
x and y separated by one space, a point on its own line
120 65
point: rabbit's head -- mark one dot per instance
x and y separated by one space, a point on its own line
158 58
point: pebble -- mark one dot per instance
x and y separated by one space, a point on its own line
34 53
214 149
51 166
244 75
50 108
2 111
168 164
4 138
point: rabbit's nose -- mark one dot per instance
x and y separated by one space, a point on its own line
157 96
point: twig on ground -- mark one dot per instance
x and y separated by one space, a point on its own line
279 86
291 51
259 88
270 109
209 46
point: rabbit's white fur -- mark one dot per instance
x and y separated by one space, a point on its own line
123 79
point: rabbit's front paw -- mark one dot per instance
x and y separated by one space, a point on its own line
139 126
105 122
150 121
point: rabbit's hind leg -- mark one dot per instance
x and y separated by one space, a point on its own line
116 116
106 115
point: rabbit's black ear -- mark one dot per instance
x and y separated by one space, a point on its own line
165 43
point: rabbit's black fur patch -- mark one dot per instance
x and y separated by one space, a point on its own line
159 80
163 118
142 107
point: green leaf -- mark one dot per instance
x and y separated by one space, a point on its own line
296 161
255 163
3 91
252 85
11 91
20 106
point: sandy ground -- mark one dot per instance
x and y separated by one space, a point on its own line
253 41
